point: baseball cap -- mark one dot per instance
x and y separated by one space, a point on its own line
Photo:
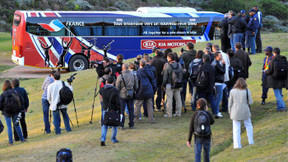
242 11
269 48
252 10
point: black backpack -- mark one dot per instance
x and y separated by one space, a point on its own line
280 69
202 124
176 77
195 67
64 155
12 102
202 80
66 95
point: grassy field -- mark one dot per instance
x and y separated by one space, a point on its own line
163 141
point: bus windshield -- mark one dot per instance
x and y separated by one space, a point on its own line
17 19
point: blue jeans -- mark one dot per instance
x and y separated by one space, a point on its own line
211 99
45 107
238 38
130 106
57 120
232 44
9 128
198 143
104 129
252 42
219 95
279 99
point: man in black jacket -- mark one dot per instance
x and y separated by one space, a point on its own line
225 40
111 102
158 62
206 91
244 58
200 141
239 27
277 77
237 67
21 91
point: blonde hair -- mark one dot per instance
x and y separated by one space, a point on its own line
240 84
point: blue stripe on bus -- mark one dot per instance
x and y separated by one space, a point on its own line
37 47
94 15
178 14
210 15
57 46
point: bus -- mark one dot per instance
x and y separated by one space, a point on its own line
72 39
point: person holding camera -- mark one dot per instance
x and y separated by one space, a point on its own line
53 97
100 67
111 102
22 92
127 84
10 105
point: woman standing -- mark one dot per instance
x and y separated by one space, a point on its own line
240 100
10 105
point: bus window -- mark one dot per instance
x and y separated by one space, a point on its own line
121 30
81 30
168 30
151 30
97 30
17 19
36 29
59 33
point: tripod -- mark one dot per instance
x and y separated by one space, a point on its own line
74 109
95 95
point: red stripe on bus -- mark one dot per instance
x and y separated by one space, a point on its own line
50 14
33 14
47 27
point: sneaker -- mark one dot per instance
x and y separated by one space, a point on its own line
263 102
102 143
166 116
157 110
24 140
10 144
116 141
219 115
175 115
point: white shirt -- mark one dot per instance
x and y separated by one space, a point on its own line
53 95
225 57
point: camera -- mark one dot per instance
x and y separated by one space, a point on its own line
182 50
72 77
19 116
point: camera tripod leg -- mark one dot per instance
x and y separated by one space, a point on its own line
94 97
75 113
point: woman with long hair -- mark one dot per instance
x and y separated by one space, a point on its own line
240 100
10 105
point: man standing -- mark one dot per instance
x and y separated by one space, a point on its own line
22 92
253 26
118 65
244 58
145 92
45 104
188 57
127 84
158 62
238 28
267 59
225 41
277 77
230 31
169 78
245 39
53 97
237 67
258 36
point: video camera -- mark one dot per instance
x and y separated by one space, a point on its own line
182 50
72 77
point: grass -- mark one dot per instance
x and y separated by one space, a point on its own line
163 141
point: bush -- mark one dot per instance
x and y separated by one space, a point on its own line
273 7
225 6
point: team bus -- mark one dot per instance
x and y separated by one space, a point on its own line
71 39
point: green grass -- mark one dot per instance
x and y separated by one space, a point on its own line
5 42
163 141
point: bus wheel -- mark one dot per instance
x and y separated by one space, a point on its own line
78 63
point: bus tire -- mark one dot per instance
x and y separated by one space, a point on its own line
78 63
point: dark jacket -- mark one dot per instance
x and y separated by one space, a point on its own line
224 27
219 71
238 25
187 57
191 130
245 59
158 62
238 70
207 67
2 99
230 32
146 84
1 126
272 82
110 94
167 78
21 91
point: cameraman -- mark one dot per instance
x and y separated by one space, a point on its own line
100 67
53 97
118 65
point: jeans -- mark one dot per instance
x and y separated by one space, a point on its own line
184 89
237 132
232 44
246 39
104 129
159 97
258 40
9 128
45 107
198 143
211 99
252 42
219 95
130 106
238 38
23 127
57 120
279 99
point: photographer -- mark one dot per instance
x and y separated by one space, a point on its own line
118 65
22 92
10 105
100 67
53 97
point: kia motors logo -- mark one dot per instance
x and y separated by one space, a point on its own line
149 44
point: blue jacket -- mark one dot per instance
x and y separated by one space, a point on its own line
253 24
23 93
147 84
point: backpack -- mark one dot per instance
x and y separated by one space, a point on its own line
176 77
64 155
195 67
202 124
280 69
12 102
231 72
66 95
202 80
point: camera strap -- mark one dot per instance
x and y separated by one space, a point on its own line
124 81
